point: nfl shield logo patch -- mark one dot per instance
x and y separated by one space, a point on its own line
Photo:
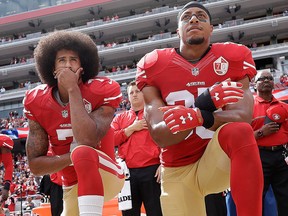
64 113
195 71
221 66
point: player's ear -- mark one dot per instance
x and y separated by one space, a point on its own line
255 86
211 29
177 31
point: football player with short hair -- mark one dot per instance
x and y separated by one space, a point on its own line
71 112
199 107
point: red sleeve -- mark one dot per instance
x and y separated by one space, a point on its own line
33 101
6 141
240 59
249 67
113 94
119 134
146 62
8 164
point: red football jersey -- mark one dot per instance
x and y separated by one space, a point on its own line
180 82
6 141
41 106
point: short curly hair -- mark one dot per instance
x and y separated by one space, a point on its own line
48 46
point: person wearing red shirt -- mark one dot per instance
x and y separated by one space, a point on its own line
270 124
10 203
141 154
31 188
198 107
71 112
6 146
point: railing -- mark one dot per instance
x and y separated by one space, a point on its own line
122 75
155 11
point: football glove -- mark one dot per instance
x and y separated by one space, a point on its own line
180 118
219 95
277 113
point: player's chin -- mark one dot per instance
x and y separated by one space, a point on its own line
195 40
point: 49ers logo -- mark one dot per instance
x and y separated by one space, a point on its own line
220 66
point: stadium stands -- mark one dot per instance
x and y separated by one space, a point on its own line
124 31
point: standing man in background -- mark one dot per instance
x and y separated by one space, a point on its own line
141 155
181 99
270 124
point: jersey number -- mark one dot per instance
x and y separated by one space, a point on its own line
63 134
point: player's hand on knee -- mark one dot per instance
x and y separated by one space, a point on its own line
219 95
225 93
180 118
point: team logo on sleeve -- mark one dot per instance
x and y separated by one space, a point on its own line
87 106
221 66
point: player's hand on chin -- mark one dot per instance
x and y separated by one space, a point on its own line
67 78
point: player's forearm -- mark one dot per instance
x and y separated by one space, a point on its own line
242 111
48 164
83 126
163 136
158 129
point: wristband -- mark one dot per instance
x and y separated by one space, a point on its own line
205 102
208 118
7 185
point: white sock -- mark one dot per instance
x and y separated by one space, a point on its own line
91 205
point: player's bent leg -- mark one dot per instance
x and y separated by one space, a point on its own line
179 192
90 188
70 201
112 175
213 173
98 175
237 140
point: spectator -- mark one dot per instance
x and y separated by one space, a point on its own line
141 154
29 204
31 188
10 203
2 90
27 84
284 79
270 123
67 63
197 162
